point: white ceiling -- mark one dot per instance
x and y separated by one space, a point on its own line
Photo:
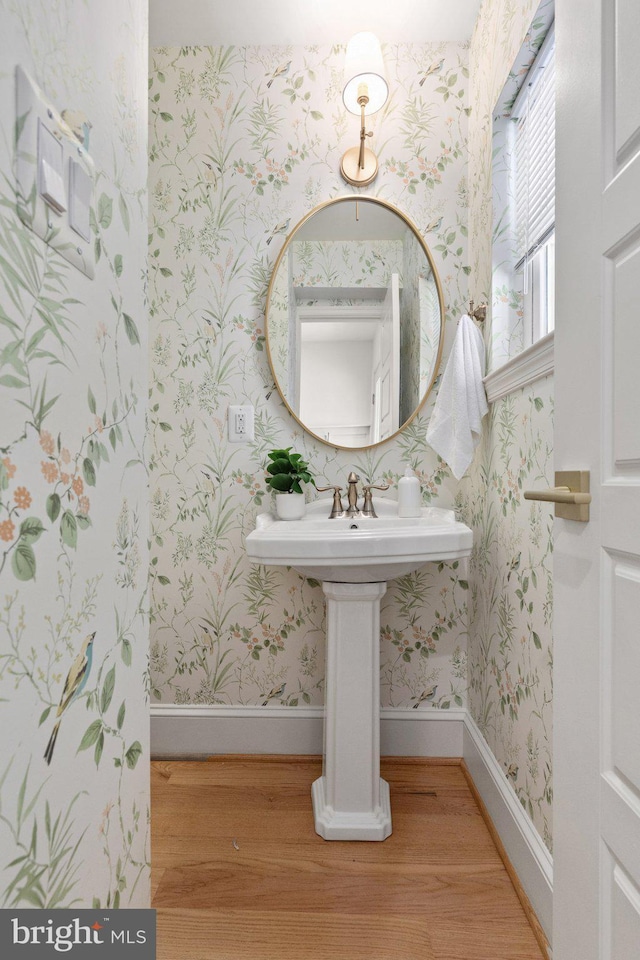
307 22
329 331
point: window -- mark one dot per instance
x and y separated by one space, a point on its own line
523 200
533 114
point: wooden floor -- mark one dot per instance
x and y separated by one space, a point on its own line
240 874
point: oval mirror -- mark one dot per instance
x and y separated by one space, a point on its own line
354 322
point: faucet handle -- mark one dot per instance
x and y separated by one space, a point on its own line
336 509
367 508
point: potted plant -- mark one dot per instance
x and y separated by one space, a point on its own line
286 472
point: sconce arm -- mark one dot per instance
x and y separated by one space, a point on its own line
363 101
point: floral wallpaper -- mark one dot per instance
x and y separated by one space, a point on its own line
511 598
331 263
244 141
74 796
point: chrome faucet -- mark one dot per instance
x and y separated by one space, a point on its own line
337 510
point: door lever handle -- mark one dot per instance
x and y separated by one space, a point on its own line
558 495
570 494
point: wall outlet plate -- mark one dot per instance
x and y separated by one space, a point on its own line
240 423
38 123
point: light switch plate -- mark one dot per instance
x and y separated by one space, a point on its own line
51 169
80 200
43 179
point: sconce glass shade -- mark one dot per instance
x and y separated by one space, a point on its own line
364 64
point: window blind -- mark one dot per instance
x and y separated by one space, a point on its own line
535 155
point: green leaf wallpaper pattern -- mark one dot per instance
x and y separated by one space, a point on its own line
511 586
240 153
236 151
73 489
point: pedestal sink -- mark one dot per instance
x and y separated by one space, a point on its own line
354 559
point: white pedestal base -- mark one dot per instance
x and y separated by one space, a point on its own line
345 825
350 801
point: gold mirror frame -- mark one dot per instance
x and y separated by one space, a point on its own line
283 252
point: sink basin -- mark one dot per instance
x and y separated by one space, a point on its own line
354 559
360 550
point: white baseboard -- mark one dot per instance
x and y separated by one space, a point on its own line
421 733
523 845
202 730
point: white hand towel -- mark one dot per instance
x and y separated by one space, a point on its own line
456 422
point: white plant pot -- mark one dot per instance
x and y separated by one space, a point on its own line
290 506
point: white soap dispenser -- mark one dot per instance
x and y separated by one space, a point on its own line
409 499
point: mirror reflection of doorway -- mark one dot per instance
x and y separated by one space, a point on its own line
349 368
345 254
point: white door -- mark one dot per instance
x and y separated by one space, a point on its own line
597 565
386 366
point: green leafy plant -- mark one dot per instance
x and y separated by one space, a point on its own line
287 471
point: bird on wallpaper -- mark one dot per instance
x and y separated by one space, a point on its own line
73 686
435 67
280 71
210 331
514 565
211 175
208 487
434 225
425 695
282 227
79 125
276 692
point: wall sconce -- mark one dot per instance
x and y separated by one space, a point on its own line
365 92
